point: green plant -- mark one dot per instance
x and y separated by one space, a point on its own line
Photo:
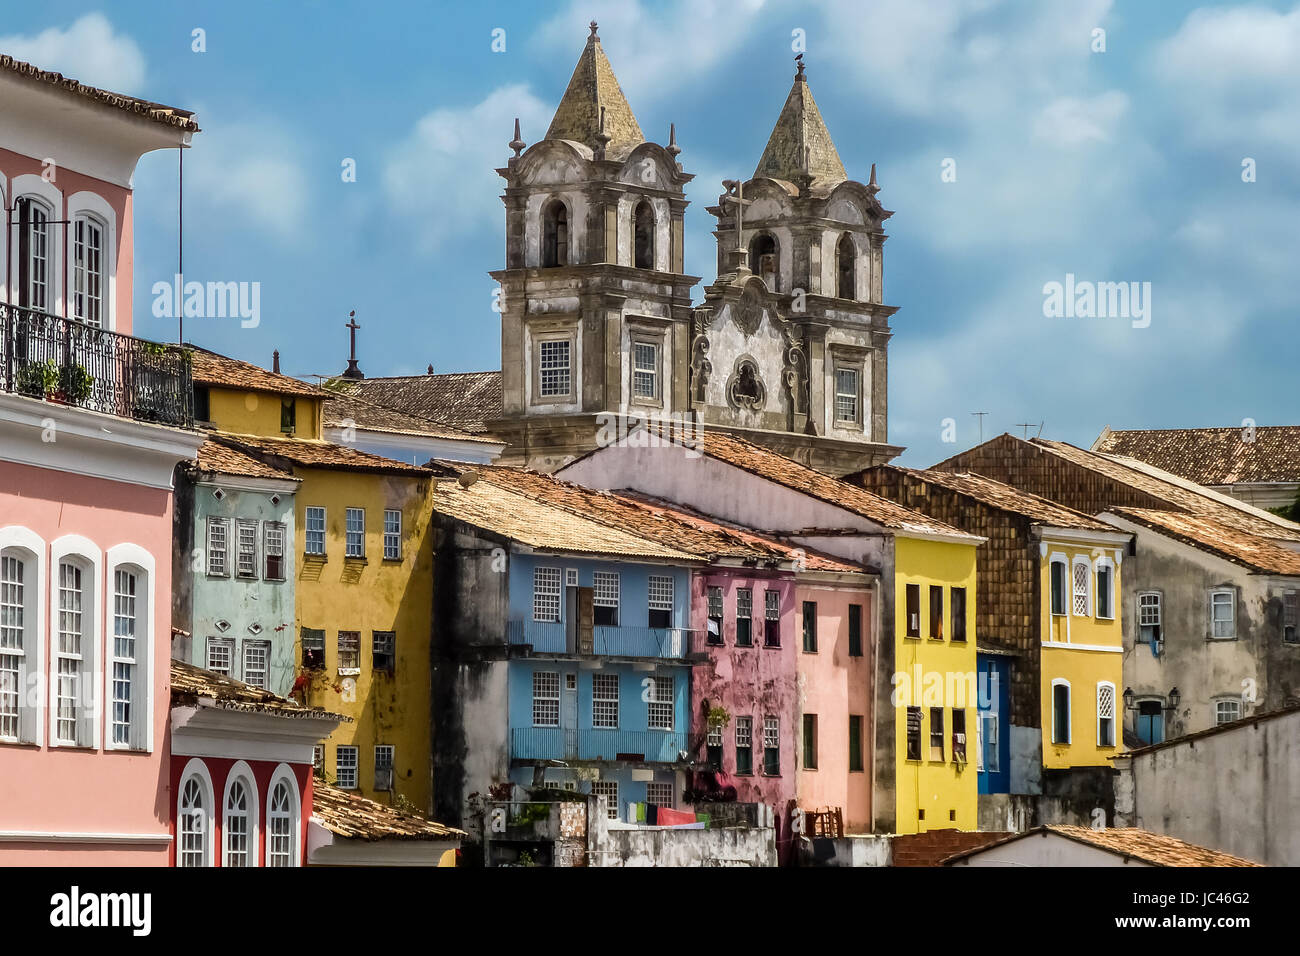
38 378
718 717
75 383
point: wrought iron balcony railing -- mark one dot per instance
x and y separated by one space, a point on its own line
546 637
65 361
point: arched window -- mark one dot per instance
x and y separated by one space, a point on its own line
644 233
280 829
192 824
555 235
845 262
35 255
236 826
763 260
126 619
89 283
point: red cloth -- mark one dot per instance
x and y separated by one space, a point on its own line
671 818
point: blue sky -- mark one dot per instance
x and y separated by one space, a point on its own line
1123 165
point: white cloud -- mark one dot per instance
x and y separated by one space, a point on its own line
443 175
88 51
1073 121
252 170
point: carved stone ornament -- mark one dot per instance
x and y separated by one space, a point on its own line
745 389
701 367
749 310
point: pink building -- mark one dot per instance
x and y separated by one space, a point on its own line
92 424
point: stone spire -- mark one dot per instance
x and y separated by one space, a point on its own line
594 89
800 147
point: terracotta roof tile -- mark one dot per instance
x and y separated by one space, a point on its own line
1252 551
1143 845
220 459
165 115
1212 456
997 495
464 400
312 453
222 371
342 408
190 683
354 817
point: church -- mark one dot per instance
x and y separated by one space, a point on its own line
789 348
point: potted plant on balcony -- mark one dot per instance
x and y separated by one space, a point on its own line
37 379
73 385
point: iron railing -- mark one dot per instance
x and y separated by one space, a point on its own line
563 743
61 360
547 637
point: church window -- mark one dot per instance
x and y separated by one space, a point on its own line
644 233
645 370
554 367
763 260
555 235
846 256
846 395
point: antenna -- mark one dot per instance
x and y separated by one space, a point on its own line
979 415
1026 426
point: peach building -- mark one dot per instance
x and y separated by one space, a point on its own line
92 424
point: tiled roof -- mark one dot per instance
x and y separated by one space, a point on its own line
222 459
1251 551
190 683
800 143
165 115
999 495
223 371
1212 456
460 399
312 453
489 505
593 87
354 817
342 408
665 522
777 468
1143 845
1177 491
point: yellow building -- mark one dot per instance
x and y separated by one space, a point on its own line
934 683
1082 648
363 566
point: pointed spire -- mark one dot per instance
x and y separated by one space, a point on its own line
673 149
800 147
593 90
873 187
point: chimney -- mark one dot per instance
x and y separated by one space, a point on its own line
275 361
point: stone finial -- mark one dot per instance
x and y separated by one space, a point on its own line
593 36
430 368
275 361
673 148
872 186
517 144
602 137
798 66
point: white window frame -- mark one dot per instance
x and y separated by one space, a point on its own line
1101 715
601 694
92 206
609 790
29 549
1069 710
1159 607
1232 617
246 549
1109 565
855 396
244 669
86 554
81 300
284 775
1079 561
661 703
134 559
392 534
218 563
1236 705
355 766
541 686
274 540
347 669
314 511
660 787
391 752
661 594
48 197
241 772
564 372
546 591
229 644
606 590
354 533
196 770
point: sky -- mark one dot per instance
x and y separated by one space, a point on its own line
1018 143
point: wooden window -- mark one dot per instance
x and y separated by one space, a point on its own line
18 644
546 699
936 612
34 266
713 746
194 825
810 627
958 735
125 715
273 549
855 630
246 548
661 703
1105 714
855 743
88 278
546 594
236 827
914 733
313 648
1060 711
383 651
810 741
315 531
605 593
554 368
257 656
1149 617
772 746
1105 590
1082 604
847 395
645 370
355 543
392 534
345 767
384 758
1226 710
73 659
1223 614
218 531
280 836
604 700
959 615
349 650
715 635
659 794
1290 616
221 655
744 617
1058 586
771 618
936 733
744 745
661 601
913 610
607 790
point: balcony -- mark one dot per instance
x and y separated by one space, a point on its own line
559 743
69 363
546 637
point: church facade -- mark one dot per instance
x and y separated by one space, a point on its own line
789 348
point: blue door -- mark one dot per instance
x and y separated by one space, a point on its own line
1151 722
993 746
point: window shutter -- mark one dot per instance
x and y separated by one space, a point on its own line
142 676
29 714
